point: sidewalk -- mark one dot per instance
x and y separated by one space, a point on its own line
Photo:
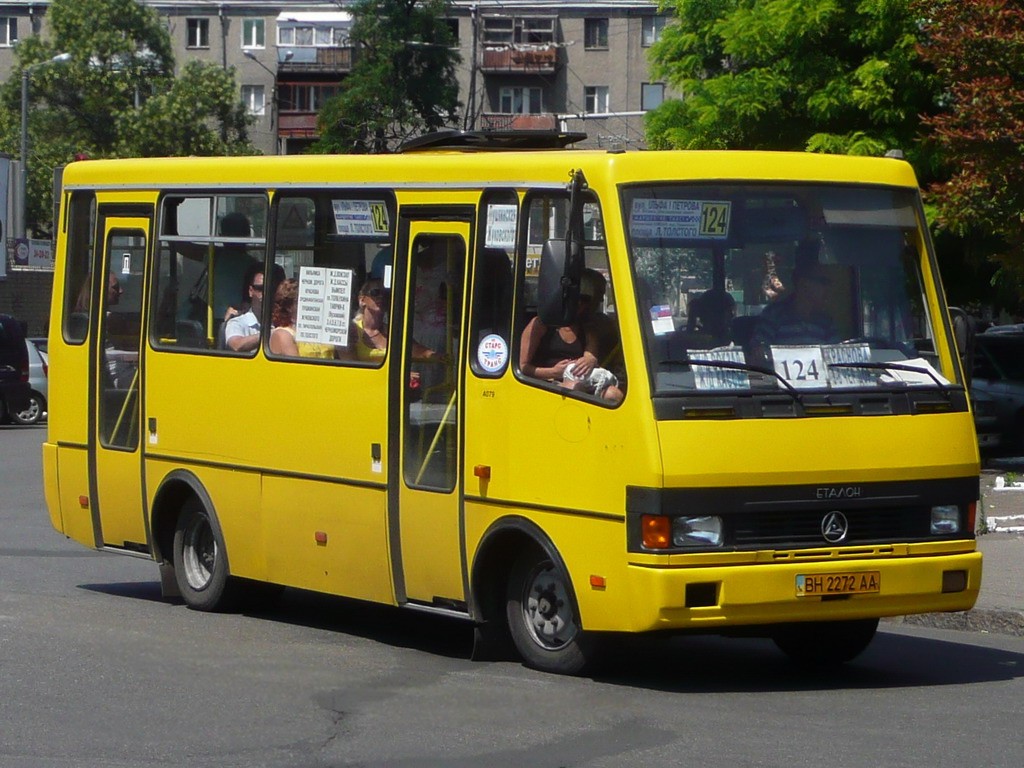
1001 515
1000 606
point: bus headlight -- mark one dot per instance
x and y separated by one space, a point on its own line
945 520
704 531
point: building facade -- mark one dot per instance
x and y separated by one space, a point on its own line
539 64
526 64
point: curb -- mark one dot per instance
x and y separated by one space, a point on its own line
989 620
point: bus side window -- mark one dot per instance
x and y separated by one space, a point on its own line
328 243
492 312
584 357
77 280
210 246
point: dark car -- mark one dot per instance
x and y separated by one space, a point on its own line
998 376
15 393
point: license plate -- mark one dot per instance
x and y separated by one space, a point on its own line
821 584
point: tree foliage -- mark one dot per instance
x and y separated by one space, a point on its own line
402 83
977 49
821 75
117 96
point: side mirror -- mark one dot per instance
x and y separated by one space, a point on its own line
963 334
558 290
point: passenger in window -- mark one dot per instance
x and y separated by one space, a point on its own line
282 319
433 282
368 325
711 313
562 355
282 334
369 334
600 331
242 329
802 315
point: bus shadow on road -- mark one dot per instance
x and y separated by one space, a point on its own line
694 664
682 663
138 590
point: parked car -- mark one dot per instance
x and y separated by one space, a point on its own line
986 420
1008 328
998 375
41 343
38 373
14 386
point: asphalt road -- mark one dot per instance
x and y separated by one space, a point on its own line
96 671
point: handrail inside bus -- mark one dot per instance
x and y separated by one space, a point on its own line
124 406
437 437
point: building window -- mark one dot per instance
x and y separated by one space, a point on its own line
596 99
453 30
198 33
8 31
595 33
310 36
521 101
254 98
305 97
651 95
253 33
653 26
506 30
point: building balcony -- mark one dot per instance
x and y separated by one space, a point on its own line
495 121
297 125
291 60
529 60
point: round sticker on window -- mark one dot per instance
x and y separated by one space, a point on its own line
492 353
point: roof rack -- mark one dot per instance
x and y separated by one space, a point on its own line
492 140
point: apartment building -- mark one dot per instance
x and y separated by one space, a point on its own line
526 64
537 64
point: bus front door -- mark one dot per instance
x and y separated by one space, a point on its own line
118 506
429 566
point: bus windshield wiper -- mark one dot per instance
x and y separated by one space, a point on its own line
897 367
734 366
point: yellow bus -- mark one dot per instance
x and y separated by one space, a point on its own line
556 393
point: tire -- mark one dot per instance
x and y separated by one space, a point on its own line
542 619
200 562
34 412
825 643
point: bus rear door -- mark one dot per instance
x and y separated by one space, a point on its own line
427 493
118 507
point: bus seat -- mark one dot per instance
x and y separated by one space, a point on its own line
190 333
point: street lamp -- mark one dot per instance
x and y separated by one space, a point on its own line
26 73
273 88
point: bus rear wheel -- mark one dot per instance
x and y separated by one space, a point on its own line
825 643
200 561
542 617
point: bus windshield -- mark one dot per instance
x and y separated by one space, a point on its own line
747 287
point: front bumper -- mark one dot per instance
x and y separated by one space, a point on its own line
765 593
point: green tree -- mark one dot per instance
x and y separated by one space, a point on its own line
402 83
821 75
977 49
117 96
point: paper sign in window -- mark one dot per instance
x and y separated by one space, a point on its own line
324 306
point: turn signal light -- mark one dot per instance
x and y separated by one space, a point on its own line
657 531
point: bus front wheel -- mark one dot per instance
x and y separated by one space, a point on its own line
542 618
200 563
825 643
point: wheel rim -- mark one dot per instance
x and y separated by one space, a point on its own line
30 414
547 610
199 553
